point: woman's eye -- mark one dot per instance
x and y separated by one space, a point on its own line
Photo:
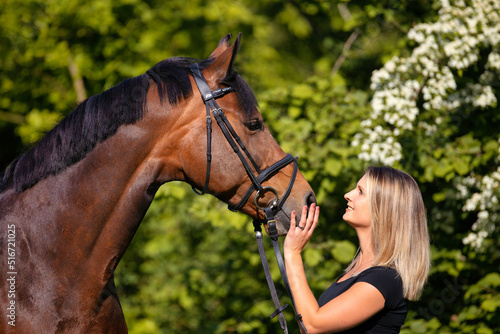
254 125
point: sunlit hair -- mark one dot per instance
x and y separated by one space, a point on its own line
399 227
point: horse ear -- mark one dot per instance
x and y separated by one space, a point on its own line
224 57
222 46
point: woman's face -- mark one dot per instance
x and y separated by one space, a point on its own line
357 213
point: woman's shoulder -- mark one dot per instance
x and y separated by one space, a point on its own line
380 270
380 273
386 280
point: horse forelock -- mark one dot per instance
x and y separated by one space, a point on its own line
100 116
171 77
246 99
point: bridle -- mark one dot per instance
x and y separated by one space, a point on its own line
209 98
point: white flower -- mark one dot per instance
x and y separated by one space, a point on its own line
444 47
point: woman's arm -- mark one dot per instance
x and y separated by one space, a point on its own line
351 308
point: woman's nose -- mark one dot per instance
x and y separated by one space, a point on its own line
346 196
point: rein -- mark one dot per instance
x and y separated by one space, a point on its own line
209 98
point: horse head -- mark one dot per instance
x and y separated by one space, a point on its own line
234 156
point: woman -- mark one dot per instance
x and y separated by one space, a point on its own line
390 268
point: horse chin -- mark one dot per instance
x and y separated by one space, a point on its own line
282 223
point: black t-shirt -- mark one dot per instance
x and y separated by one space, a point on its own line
387 281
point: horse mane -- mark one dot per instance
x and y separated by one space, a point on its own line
99 117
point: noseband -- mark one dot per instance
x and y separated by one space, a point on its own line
209 98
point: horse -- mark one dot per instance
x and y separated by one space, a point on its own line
70 205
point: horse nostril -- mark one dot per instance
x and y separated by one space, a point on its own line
310 199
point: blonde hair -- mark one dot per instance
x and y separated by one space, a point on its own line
399 227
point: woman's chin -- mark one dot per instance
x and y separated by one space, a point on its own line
345 218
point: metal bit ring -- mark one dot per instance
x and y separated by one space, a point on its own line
257 196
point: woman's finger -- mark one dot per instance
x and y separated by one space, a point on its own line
315 219
303 218
293 218
311 215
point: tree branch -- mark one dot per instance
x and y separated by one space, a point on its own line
76 78
345 49
11 117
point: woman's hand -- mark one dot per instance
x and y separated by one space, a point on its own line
299 234
296 239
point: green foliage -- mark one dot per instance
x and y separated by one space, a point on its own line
193 266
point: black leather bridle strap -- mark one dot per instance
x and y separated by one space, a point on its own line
265 265
227 130
207 96
265 175
234 140
273 233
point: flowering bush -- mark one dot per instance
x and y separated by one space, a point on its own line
427 81
449 76
485 200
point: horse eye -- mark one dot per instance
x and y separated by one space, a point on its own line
254 125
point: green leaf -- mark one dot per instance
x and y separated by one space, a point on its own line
312 257
343 251
303 91
38 122
460 165
333 167
491 304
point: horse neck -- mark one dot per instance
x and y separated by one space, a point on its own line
72 228
90 212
